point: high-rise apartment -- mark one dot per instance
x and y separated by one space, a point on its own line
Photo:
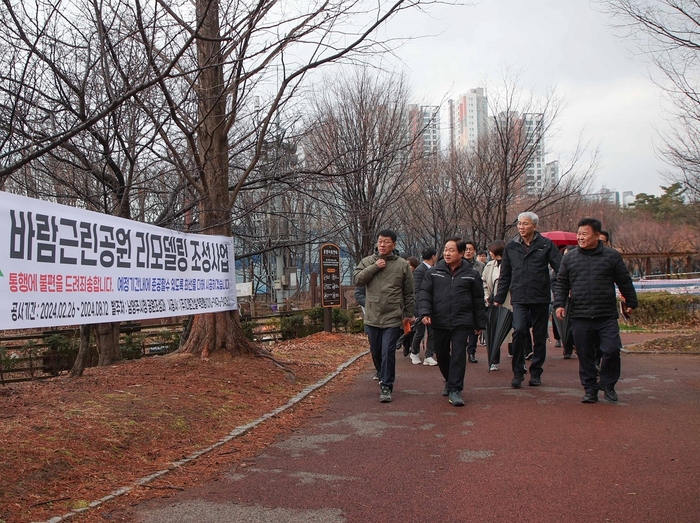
424 126
468 119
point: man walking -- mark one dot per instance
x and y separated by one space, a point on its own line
525 272
470 256
389 298
588 276
452 301
429 256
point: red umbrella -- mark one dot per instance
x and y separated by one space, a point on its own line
561 238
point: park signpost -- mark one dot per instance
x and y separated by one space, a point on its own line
330 282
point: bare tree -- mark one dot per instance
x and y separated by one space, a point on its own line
360 145
668 31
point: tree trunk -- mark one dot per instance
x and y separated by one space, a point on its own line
81 358
216 331
107 339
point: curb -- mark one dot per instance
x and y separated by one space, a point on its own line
235 433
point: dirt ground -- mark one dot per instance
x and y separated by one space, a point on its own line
67 442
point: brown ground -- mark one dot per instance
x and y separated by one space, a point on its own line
680 344
67 442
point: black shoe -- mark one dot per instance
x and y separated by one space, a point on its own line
590 398
516 382
445 391
472 358
558 343
406 351
456 399
376 376
535 382
567 356
609 393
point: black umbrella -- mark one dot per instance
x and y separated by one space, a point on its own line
499 321
407 336
563 326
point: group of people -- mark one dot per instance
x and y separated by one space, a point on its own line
447 298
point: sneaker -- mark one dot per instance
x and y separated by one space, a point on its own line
384 394
415 359
529 356
472 358
609 393
516 382
376 376
455 399
445 391
430 361
567 356
590 398
535 381
493 367
558 344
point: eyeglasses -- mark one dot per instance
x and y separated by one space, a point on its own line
384 242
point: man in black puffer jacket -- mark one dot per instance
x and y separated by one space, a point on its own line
590 272
525 272
451 300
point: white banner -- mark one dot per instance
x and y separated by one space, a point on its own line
65 266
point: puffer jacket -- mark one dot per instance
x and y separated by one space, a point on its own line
591 276
453 299
526 274
418 276
389 292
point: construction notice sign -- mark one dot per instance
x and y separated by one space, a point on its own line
330 275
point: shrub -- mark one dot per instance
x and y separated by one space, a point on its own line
340 318
247 328
315 315
131 350
291 326
663 308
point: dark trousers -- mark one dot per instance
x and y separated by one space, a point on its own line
421 330
604 333
472 340
382 345
451 353
523 314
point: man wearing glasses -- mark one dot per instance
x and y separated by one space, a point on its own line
389 298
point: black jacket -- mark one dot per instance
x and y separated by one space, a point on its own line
591 276
453 300
526 274
418 276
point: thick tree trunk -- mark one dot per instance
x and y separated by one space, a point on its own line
107 338
216 331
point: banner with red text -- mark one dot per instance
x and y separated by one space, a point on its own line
61 265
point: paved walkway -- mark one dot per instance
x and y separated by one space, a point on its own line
534 454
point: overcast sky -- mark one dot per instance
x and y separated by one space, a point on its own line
563 44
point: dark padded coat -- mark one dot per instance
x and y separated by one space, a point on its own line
591 276
453 300
526 274
418 276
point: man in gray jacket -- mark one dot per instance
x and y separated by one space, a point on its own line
389 298
590 273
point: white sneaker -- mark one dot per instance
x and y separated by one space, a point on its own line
415 359
494 366
430 361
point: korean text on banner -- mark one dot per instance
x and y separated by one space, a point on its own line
65 266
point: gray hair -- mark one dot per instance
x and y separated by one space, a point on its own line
530 216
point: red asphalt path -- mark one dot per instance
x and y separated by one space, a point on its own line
535 454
